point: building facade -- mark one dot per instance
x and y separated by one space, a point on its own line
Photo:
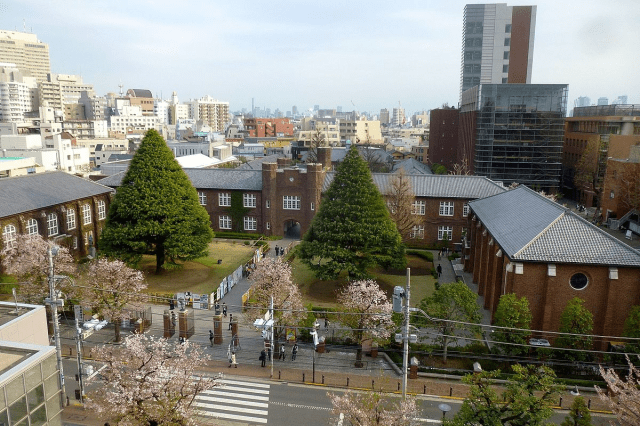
28 53
497 44
268 127
443 137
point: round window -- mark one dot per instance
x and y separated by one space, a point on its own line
578 281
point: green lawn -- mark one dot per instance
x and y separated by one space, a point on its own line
201 275
323 293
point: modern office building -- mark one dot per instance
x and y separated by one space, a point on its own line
28 53
514 132
497 44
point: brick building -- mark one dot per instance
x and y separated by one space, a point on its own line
267 127
56 205
521 242
443 137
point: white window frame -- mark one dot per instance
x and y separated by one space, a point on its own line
224 222
250 223
224 199
291 202
417 232
419 207
268 204
102 210
446 208
313 206
9 235
75 243
86 214
465 210
71 219
32 226
249 200
268 225
442 230
202 198
52 224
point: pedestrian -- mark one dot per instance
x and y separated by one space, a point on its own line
211 337
269 353
230 320
282 355
224 309
277 251
281 251
294 352
439 269
263 357
439 253
326 323
232 360
181 340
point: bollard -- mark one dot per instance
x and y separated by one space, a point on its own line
303 377
589 404
278 374
373 382
70 351
347 382
424 391
398 385
450 390
560 404
323 379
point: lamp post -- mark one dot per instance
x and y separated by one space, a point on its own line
316 325
445 408
53 302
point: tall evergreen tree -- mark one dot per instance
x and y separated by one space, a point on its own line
576 320
352 230
513 313
156 210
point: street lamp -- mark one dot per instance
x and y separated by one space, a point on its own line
314 334
445 408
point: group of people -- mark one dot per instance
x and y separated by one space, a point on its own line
443 252
265 354
279 251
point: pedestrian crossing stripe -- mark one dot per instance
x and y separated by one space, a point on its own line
235 400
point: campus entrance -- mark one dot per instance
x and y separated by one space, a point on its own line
292 229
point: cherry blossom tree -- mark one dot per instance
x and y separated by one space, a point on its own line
272 278
623 396
367 312
147 380
372 408
110 286
28 260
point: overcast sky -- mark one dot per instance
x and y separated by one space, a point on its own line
371 54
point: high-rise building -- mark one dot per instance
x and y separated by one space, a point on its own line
497 44
583 101
384 117
603 101
29 54
211 112
398 118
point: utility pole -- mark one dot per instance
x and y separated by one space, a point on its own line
53 302
79 350
400 293
273 348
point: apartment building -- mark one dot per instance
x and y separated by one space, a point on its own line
210 111
30 55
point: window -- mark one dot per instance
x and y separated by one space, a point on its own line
250 223
313 206
75 243
202 197
445 233
290 202
86 214
418 207
446 208
248 200
612 194
505 68
224 222
32 227
507 42
268 225
506 55
268 204
71 219
465 210
505 80
9 236
507 28
88 238
578 281
52 224
417 232
224 199
102 210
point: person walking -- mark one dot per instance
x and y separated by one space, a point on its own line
294 352
232 360
439 269
282 354
211 337
263 357
230 320
277 251
326 323
224 309
269 353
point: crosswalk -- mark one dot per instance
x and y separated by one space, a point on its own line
235 400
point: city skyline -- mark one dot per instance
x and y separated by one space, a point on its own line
358 56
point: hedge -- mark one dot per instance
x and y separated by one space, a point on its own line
426 255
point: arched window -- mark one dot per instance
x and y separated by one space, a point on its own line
9 236
52 224
32 227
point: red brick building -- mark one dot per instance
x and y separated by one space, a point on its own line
444 145
268 127
521 242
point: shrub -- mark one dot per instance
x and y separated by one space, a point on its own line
238 235
426 255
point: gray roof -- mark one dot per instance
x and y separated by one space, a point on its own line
140 93
411 166
232 179
41 190
530 227
257 163
437 186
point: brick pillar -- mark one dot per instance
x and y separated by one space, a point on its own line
482 262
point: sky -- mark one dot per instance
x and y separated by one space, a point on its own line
361 55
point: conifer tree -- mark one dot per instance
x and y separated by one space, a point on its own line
156 210
352 230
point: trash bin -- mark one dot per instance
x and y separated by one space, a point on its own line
78 394
413 368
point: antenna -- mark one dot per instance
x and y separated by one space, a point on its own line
24 25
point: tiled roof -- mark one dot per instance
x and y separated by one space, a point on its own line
40 190
530 227
257 163
411 166
232 179
440 186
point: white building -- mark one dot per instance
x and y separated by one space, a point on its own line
210 111
56 153
131 121
28 53
398 117
161 110
18 94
